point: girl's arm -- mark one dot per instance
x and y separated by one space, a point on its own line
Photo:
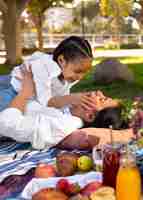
60 101
82 99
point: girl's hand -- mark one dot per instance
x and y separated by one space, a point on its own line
93 100
83 99
28 86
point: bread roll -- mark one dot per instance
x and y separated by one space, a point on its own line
103 193
49 194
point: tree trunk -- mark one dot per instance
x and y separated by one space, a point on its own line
3 6
141 14
18 40
12 33
39 33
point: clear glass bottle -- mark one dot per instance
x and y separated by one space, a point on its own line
128 182
111 160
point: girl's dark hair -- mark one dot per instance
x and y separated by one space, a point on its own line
72 48
107 117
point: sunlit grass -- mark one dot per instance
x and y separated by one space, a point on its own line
4 69
118 89
131 60
126 60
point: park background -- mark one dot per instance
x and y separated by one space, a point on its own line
114 28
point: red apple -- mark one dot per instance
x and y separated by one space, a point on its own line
68 188
44 170
90 187
63 185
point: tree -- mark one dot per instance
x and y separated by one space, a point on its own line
85 14
117 9
37 8
12 10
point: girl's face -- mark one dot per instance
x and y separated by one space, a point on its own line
75 70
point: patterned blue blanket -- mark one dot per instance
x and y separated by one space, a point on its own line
15 174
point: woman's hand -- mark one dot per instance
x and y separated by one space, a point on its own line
28 86
27 91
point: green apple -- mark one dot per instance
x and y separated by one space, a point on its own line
85 163
140 142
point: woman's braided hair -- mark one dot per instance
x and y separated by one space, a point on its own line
73 48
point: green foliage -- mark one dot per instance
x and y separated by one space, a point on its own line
127 106
37 7
104 7
116 7
130 108
116 10
19 61
130 46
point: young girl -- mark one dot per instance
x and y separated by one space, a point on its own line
55 74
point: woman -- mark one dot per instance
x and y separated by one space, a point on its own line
27 121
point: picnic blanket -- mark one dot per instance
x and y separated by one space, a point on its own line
15 174
5 81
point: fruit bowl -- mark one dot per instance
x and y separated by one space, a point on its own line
37 184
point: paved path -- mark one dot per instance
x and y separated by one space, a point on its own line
119 53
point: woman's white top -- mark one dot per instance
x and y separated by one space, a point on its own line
45 74
43 126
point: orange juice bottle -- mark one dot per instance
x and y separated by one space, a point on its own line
128 182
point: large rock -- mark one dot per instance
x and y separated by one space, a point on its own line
111 69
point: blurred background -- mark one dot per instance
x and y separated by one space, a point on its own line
27 25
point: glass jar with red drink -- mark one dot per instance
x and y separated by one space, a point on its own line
111 161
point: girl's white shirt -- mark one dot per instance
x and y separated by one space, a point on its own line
45 74
43 126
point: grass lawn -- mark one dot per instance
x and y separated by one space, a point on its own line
4 69
118 89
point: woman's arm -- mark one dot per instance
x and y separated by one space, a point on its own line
19 102
87 138
104 134
79 140
27 91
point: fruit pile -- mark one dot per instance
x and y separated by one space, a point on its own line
67 164
71 191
